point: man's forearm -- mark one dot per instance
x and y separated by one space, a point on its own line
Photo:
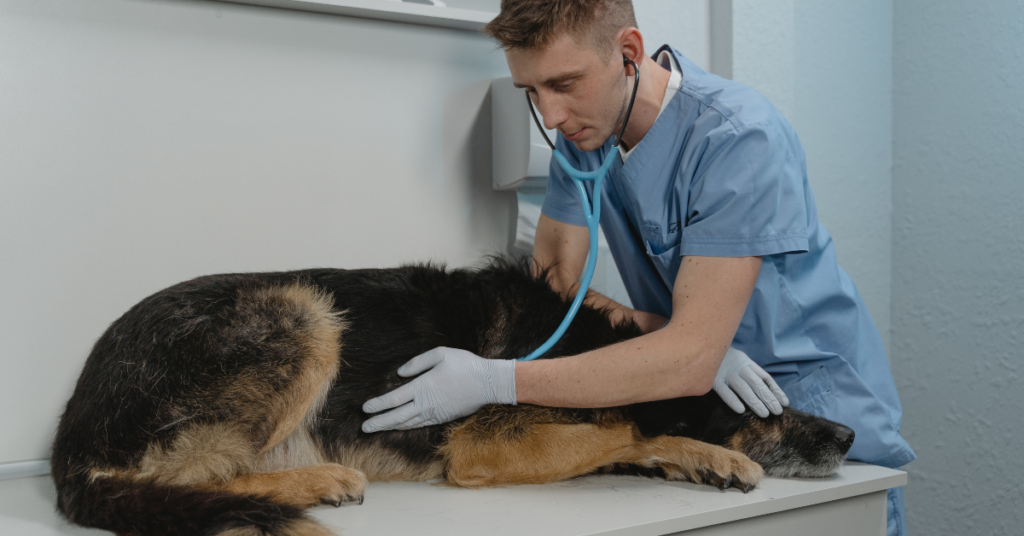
664 364
708 300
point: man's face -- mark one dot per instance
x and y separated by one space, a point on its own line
575 90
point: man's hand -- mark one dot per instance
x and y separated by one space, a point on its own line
739 375
454 383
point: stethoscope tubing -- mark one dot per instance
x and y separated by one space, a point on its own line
592 214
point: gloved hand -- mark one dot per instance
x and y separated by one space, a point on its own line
739 375
453 384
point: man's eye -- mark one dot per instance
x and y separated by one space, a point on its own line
564 86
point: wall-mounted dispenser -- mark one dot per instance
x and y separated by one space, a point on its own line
520 156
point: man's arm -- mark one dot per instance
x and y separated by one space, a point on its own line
562 249
708 301
710 296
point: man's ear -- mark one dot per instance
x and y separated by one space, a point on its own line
631 45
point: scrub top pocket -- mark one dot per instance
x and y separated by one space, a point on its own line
666 262
812 393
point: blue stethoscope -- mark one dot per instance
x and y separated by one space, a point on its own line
591 209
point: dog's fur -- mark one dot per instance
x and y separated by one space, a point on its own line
230 403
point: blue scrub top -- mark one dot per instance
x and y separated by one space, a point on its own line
722 174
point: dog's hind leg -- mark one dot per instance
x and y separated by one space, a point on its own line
231 451
530 445
285 350
304 487
290 467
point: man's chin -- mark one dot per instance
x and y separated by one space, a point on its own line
587 145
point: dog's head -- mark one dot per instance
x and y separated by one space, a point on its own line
794 444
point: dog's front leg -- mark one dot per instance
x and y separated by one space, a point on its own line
523 449
690 460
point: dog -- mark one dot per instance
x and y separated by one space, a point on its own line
231 403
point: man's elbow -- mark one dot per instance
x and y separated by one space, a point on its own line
706 386
694 376
695 386
703 386
702 377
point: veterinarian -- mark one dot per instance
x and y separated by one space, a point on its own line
712 224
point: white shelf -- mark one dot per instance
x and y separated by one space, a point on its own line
24 469
447 17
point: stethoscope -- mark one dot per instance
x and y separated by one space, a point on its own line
591 209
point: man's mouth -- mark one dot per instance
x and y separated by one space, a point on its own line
576 136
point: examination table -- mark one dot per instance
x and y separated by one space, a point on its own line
852 502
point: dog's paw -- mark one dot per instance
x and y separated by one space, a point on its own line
304 487
719 467
329 483
732 469
336 484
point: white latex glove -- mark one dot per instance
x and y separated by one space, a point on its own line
453 384
739 377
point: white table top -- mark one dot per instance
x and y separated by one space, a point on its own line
607 505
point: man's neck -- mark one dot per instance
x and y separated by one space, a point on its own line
649 96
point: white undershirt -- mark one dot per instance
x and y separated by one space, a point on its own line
674 81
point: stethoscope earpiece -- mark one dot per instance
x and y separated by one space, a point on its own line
629 110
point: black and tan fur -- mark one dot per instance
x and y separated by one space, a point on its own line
230 403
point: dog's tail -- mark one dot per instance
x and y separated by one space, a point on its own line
134 507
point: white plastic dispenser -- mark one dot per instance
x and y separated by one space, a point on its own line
520 157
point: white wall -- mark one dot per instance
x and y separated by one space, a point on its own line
143 143
958 261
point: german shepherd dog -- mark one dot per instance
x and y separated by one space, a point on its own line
228 404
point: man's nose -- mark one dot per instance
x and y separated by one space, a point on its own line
552 112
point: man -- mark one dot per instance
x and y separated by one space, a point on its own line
712 224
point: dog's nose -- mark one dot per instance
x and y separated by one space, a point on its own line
844 436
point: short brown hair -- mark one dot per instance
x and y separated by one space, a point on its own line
535 23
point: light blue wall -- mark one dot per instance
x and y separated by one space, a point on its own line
843 114
827 67
958 261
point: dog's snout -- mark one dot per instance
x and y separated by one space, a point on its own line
844 436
